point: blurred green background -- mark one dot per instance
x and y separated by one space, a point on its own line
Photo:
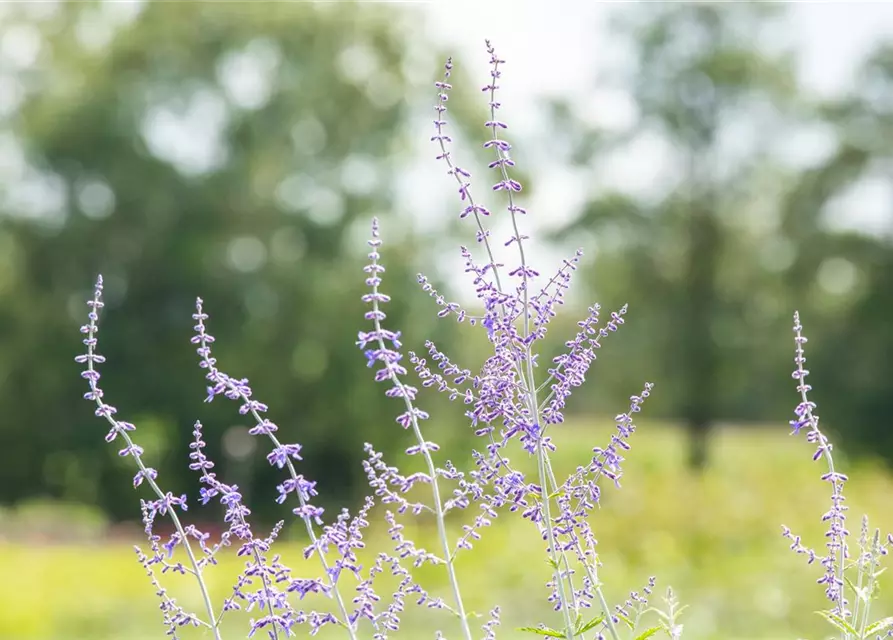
237 151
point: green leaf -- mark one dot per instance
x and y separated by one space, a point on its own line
662 614
648 633
879 625
625 620
838 622
861 592
551 633
589 625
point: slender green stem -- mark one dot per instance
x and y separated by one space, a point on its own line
860 564
591 571
872 565
97 396
258 419
553 545
541 457
432 472
564 556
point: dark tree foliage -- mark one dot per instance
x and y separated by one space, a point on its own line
694 73
714 263
234 151
853 368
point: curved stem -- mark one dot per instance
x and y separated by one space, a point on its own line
432 472
96 392
196 570
826 453
339 600
239 392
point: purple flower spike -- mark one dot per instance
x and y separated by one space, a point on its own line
836 537
513 402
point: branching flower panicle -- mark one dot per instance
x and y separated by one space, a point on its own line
502 406
512 404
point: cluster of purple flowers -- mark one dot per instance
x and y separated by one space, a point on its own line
508 408
837 561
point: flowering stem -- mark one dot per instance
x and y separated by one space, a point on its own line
206 596
342 608
441 531
591 570
457 173
210 480
238 392
432 471
103 410
800 374
541 458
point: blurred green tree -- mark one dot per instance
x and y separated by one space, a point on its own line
711 95
230 150
853 257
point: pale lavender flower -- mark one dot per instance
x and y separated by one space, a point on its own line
836 537
240 391
502 405
165 503
279 613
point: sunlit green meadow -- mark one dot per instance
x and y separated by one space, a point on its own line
714 538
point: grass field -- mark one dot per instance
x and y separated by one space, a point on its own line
715 538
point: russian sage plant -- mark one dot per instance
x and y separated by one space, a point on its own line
841 571
513 403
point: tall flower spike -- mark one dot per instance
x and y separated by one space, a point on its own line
508 184
388 358
442 139
838 552
165 502
282 455
488 288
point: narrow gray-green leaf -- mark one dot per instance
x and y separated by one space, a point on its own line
648 633
592 623
550 633
879 625
838 622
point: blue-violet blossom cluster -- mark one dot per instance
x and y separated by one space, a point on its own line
511 409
